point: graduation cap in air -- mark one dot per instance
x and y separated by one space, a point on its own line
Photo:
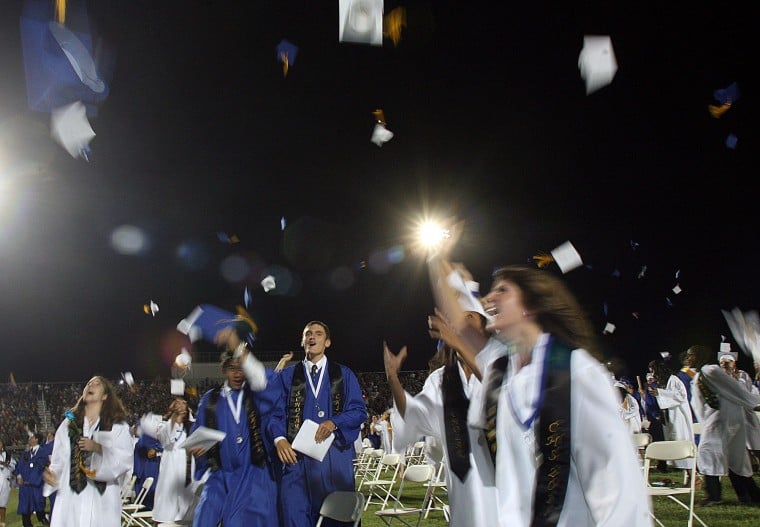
71 129
59 61
286 53
726 97
380 134
206 320
151 308
745 328
360 21
566 256
597 62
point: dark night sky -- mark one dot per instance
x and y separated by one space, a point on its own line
201 133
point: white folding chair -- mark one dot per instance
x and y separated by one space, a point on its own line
369 471
342 506
672 451
381 485
436 486
128 490
640 442
419 473
362 462
415 454
129 509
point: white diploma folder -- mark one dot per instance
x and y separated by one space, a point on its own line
305 443
202 437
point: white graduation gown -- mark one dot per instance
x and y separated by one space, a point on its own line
630 414
471 503
605 485
385 435
173 500
750 417
7 466
674 400
722 444
89 508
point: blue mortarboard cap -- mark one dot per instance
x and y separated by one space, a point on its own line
58 60
207 320
288 49
731 141
727 95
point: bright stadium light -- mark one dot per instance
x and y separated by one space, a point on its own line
430 234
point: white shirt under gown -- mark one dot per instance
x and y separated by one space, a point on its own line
674 400
89 508
174 501
471 503
722 444
605 486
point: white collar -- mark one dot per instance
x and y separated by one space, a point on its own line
226 388
320 364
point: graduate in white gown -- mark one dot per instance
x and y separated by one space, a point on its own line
7 467
673 400
92 454
548 336
176 488
719 400
628 408
472 498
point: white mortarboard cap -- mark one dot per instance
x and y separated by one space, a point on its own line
177 387
268 283
71 129
725 346
381 134
467 293
597 62
128 378
567 257
184 359
609 328
360 21
677 289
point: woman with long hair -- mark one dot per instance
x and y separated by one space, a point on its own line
550 416
92 454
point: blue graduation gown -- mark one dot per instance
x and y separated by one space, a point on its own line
30 468
303 486
148 452
239 493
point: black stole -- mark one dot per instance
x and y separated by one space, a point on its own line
258 454
77 478
297 396
553 435
455 406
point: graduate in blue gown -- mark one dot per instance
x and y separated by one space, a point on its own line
147 461
330 396
240 489
29 479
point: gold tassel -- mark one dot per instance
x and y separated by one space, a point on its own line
284 58
394 21
543 259
60 11
243 315
379 116
718 111
89 473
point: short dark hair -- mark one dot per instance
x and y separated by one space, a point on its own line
320 323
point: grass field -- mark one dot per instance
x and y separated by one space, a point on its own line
728 514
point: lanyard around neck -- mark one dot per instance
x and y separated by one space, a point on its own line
237 406
315 389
